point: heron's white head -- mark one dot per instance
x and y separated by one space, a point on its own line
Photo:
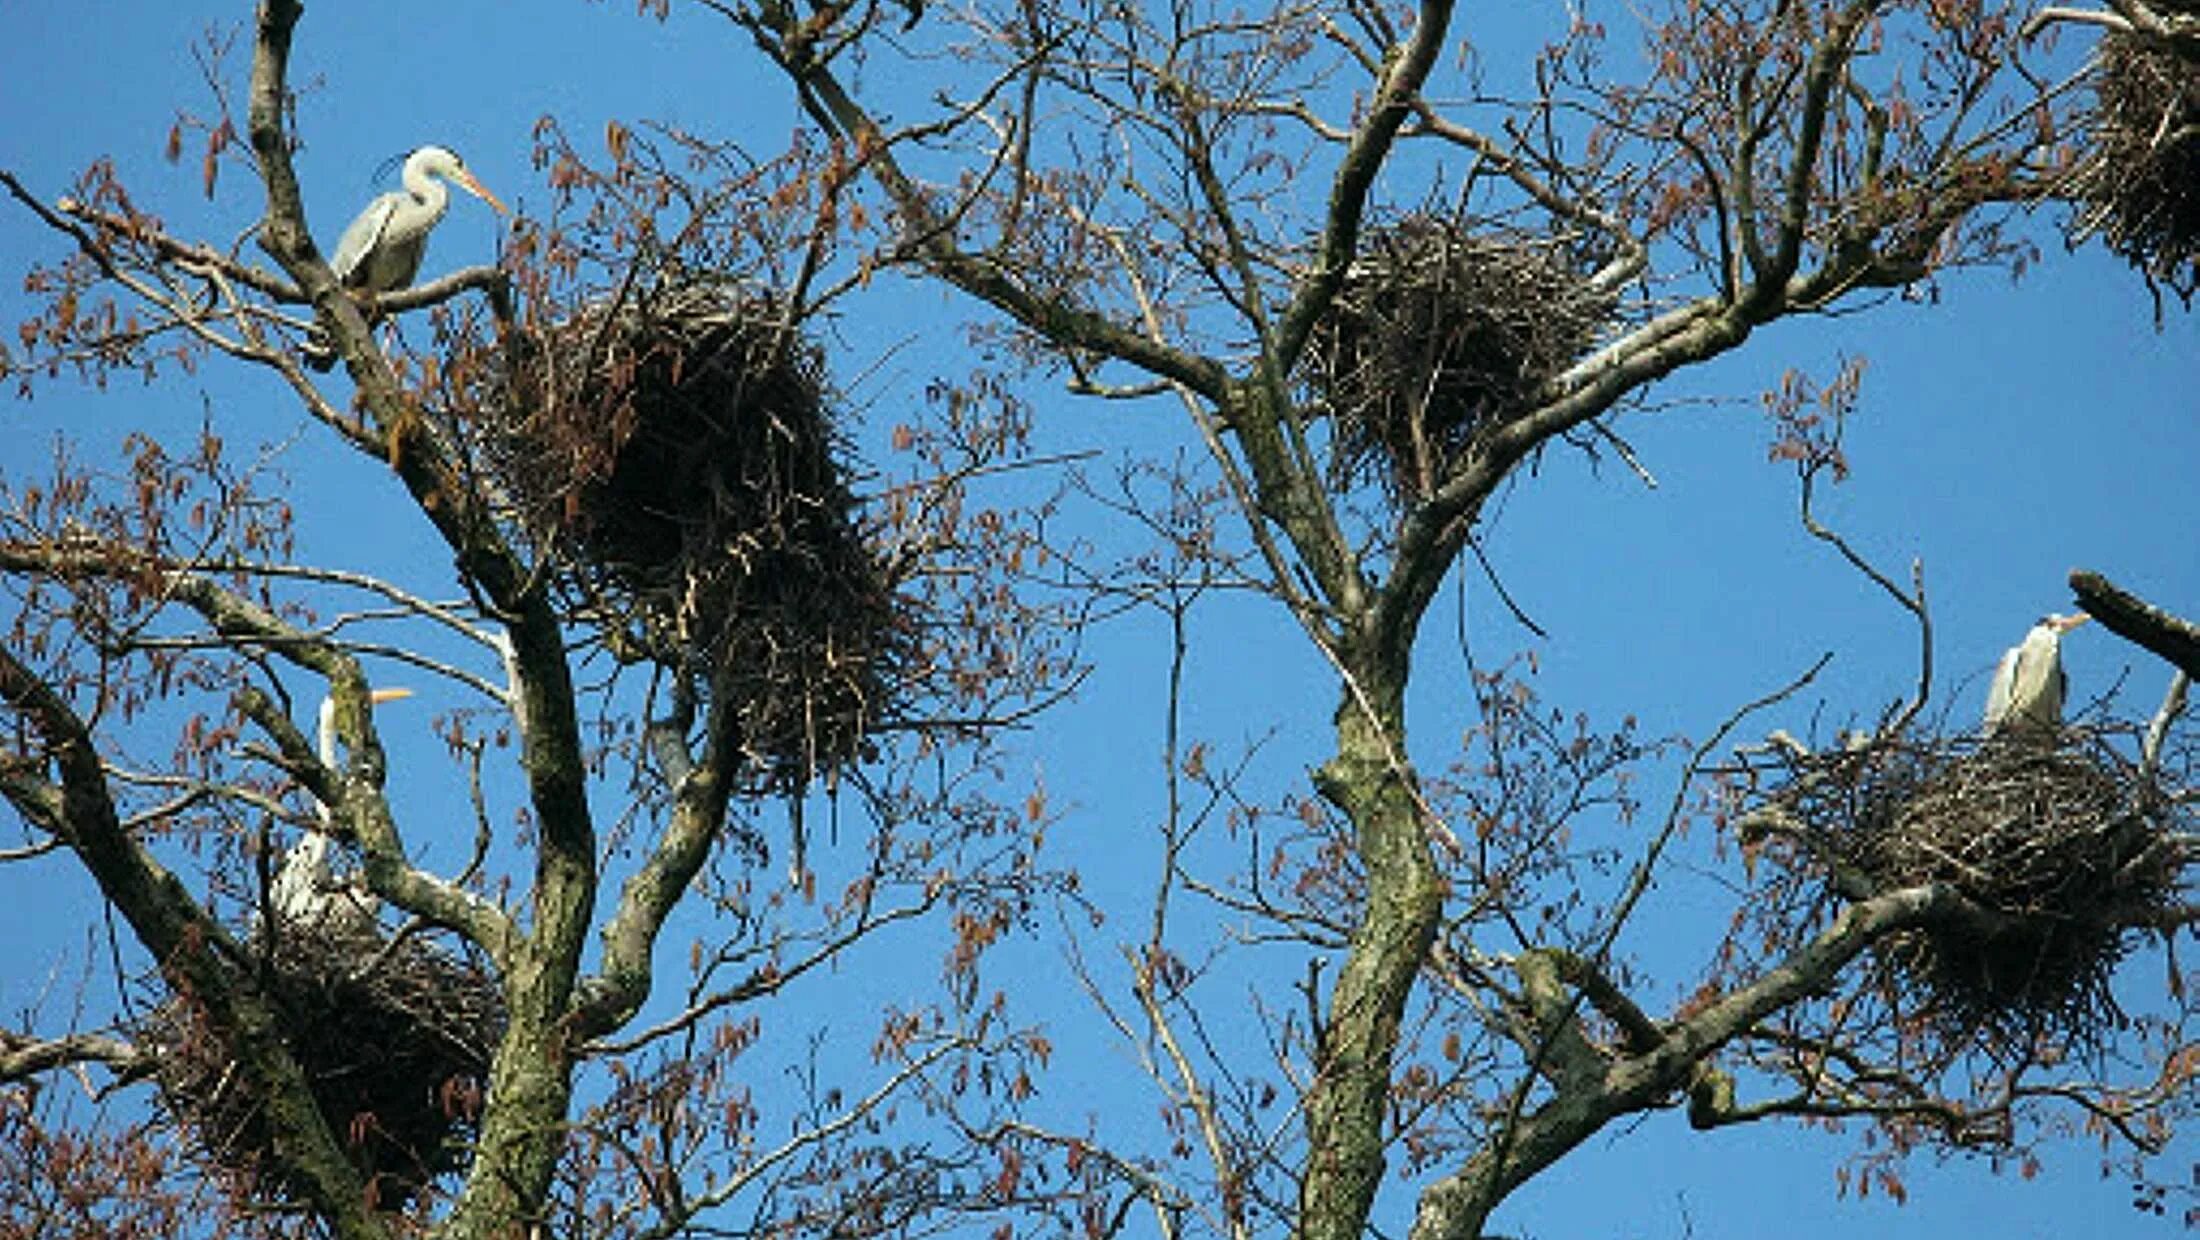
375 697
436 161
328 717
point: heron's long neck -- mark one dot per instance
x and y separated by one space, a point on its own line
429 191
326 748
325 733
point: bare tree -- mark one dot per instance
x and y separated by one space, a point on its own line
1444 1004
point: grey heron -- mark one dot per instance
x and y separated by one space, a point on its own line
305 892
2028 684
381 250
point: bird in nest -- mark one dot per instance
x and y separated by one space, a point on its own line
305 892
2029 683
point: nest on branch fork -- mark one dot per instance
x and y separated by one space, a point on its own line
394 1040
675 454
1441 332
2061 840
2138 184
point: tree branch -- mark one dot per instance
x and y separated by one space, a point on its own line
354 793
1455 1206
2135 620
1406 69
614 994
193 950
790 43
23 1057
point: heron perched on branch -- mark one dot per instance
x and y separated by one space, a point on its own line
2028 685
305 892
381 251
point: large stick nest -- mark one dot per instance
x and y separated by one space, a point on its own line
1440 333
2139 183
394 1040
2066 845
675 453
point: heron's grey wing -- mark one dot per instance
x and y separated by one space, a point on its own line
2002 693
2026 682
359 240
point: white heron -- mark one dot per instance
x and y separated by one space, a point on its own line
305 892
2028 685
381 251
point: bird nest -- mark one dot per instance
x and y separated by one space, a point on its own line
2062 842
675 454
394 1040
1440 333
2138 185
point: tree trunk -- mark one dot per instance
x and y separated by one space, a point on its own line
1368 781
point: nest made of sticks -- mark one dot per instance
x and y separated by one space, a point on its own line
675 453
395 1042
1441 332
2138 184
2064 841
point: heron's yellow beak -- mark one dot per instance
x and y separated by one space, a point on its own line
478 190
2068 623
380 696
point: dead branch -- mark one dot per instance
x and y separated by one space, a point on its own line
2138 621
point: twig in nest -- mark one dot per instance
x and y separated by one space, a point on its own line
1441 332
397 1055
687 479
2068 846
2138 185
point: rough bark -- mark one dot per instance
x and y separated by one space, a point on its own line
1347 1106
530 1089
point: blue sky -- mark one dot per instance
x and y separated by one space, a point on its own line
2006 435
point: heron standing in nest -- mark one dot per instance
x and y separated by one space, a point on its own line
2029 683
305 892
